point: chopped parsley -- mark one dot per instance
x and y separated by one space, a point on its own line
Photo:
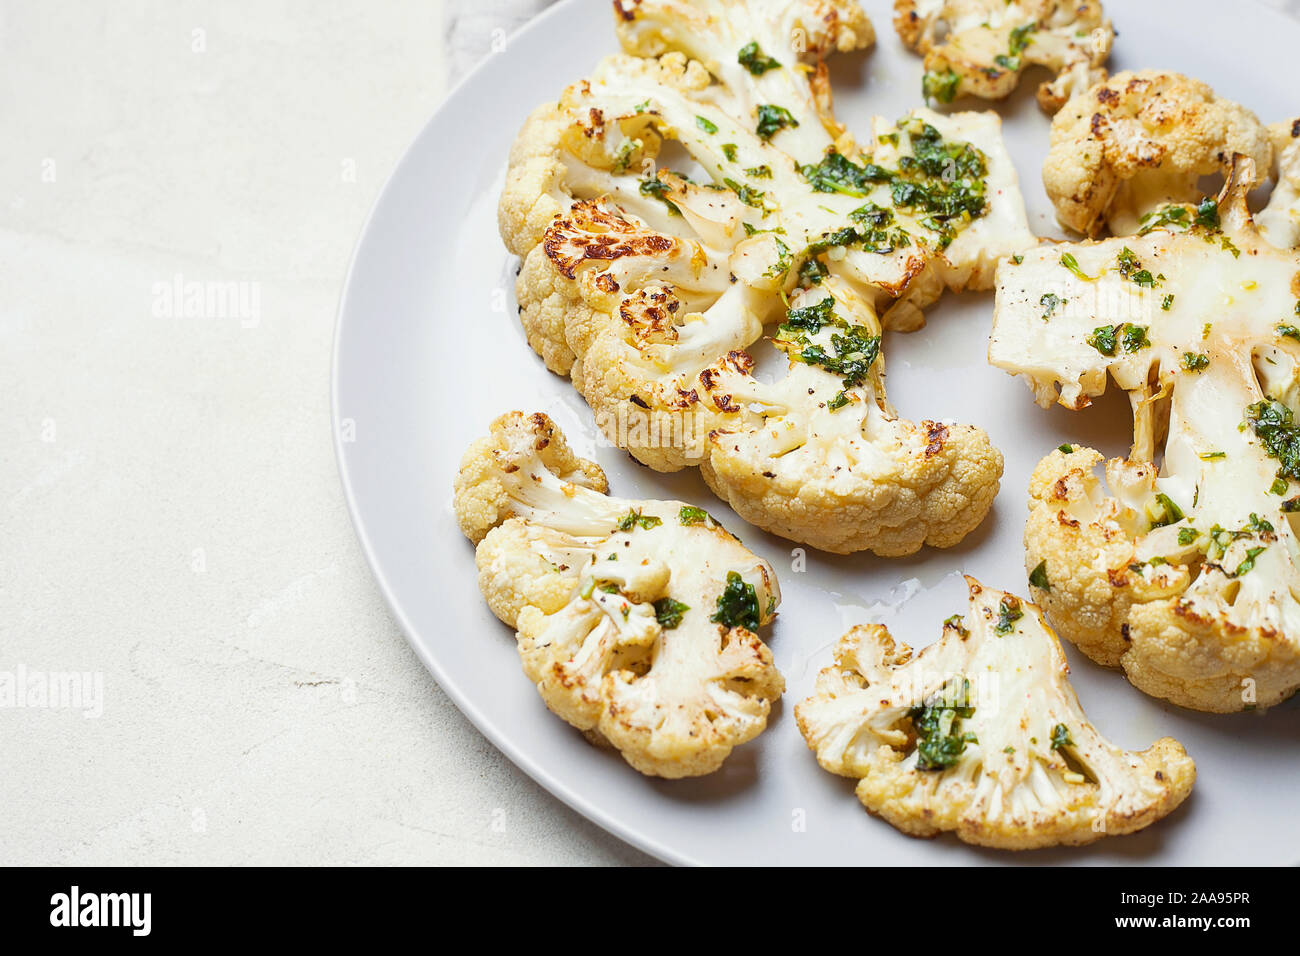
1038 577
760 172
752 58
940 86
1195 361
737 604
1212 455
1163 218
729 151
1050 301
1164 511
772 119
1108 339
660 190
1130 268
939 740
1065 449
958 623
1248 563
1061 737
1288 332
691 515
1167 302
635 519
1071 263
1009 611
706 124
669 612
1274 425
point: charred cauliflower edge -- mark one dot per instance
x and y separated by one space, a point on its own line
982 735
635 619
647 288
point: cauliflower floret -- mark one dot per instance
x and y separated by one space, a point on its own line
980 47
635 619
1279 221
1138 141
982 734
648 288
1185 573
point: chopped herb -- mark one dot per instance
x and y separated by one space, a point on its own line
1164 511
737 604
1038 577
1061 737
1071 263
1167 302
1289 332
1162 218
1279 486
1207 214
691 515
635 519
1050 301
669 612
706 124
660 190
752 58
1066 449
747 194
772 119
1130 268
1017 259
760 172
958 623
1009 611
729 151
939 742
1212 455
838 401
1195 361
940 86
1248 564
783 260
1274 425
1187 536
811 272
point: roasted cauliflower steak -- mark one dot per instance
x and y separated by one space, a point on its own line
635 619
1138 141
980 47
981 734
649 287
1184 568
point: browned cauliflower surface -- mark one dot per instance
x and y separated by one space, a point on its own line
649 286
1184 567
982 735
1138 141
980 47
635 619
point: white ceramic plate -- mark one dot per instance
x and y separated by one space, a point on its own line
429 351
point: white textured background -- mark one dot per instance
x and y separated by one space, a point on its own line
170 510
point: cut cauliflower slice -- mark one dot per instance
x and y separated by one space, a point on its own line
1138 141
1279 221
649 288
980 47
1187 572
635 619
981 734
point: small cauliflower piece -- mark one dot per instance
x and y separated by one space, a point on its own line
1279 221
1184 568
635 619
981 734
980 47
1139 141
648 288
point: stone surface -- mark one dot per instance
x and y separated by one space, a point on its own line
171 512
